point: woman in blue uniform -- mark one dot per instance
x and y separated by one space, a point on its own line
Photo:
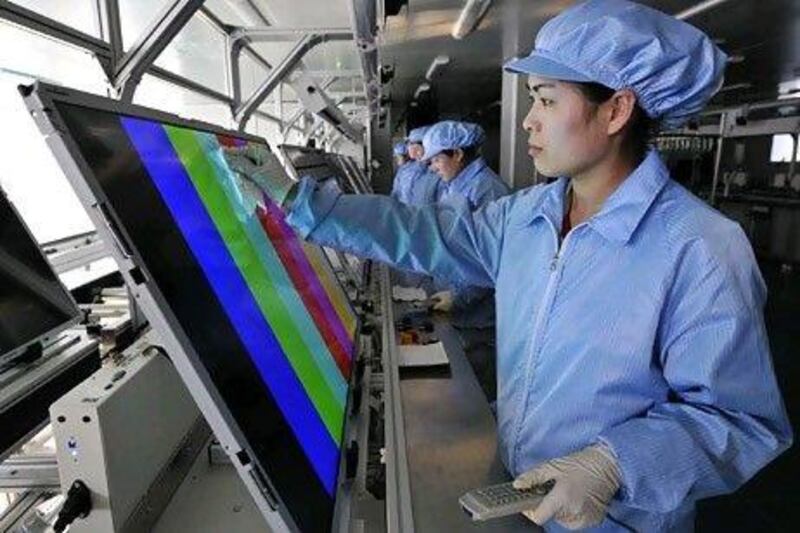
413 183
633 363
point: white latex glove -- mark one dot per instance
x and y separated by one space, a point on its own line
442 301
585 483
260 166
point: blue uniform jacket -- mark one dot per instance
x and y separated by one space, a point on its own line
414 184
643 329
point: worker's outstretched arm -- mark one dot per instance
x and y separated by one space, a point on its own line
445 241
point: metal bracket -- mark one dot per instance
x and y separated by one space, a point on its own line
299 113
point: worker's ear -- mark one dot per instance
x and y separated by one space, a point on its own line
458 155
619 110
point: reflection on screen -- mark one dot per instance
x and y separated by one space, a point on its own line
263 310
32 300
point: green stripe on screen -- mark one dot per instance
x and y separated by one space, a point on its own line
210 191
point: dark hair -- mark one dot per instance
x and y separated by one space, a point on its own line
640 128
470 152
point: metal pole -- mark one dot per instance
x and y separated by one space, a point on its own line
792 159
234 53
718 159
110 28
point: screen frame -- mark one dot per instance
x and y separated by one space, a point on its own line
75 318
42 99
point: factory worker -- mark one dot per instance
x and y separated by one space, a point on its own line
413 183
452 150
400 151
633 363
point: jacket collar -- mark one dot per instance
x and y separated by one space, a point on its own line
623 211
464 178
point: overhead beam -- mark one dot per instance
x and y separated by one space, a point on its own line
269 34
170 20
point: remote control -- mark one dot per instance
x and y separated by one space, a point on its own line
502 500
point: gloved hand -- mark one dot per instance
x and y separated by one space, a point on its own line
256 163
442 301
585 483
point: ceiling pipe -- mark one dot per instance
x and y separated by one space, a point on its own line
471 15
702 7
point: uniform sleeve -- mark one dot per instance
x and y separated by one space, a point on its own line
396 185
445 241
491 189
725 419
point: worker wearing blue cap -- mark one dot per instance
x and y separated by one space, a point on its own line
413 183
633 363
400 152
452 150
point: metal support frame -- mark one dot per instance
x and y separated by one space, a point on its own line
111 28
75 252
154 40
399 513
244 110
103 51
269 34
240 38
363 16
29 472
299 113
21 507
125 71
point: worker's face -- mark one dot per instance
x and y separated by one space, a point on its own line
415 151
446 166
566 135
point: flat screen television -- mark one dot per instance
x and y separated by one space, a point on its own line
254 319
34 305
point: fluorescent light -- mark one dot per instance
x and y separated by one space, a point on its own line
437 63
423 87
735 87
471 15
